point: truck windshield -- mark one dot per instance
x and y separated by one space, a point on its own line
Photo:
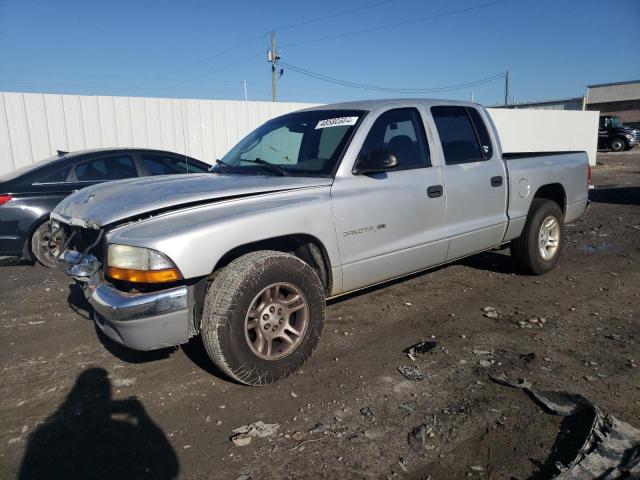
299 144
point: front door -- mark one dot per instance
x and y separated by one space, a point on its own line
475 181
391 223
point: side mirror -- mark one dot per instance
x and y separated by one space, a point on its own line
376 161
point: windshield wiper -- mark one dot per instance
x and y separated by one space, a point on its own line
269 166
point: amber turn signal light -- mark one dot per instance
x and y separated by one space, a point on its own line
144 276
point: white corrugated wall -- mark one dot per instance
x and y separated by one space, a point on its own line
525 130
33 125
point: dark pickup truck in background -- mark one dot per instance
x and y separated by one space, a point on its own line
613 134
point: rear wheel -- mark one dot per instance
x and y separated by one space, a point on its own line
263 316
537 250
46 245
618 145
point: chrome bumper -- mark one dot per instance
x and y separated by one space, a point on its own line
115 305
141 321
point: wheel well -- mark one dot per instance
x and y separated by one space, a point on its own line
306 247
554 192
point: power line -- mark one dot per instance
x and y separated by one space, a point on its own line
284 27
347 83
396 24
333 15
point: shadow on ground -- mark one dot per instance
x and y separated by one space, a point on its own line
82 307
91 435
492 261
195 351
617 195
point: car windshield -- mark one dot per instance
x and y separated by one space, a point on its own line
615 122
299 144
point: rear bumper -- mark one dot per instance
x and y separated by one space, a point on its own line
141 321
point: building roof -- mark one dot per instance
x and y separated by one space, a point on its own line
547 102
612 84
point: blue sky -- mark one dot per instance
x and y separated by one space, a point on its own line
205 49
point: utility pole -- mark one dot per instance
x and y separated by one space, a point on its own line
244 84
506 88
272 57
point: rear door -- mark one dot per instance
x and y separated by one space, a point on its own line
475 180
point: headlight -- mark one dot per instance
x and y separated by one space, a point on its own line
140 265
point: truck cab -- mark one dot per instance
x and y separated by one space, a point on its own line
614 135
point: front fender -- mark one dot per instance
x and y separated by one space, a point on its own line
197 238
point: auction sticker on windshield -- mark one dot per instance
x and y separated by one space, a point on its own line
336 122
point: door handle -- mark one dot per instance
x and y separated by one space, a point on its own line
496 181
435 191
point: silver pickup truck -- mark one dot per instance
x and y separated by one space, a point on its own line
311 205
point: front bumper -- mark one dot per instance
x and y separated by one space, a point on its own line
141 321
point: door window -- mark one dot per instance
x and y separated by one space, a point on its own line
106 168
482 132
401 131
57 177
461 142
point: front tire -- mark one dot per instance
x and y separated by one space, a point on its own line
45 245
618 145
263 316
537 250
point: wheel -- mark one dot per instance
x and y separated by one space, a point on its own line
263 316
618 145
45 246
537 250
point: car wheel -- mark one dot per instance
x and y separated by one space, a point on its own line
618 145
537 250
45 245
263 316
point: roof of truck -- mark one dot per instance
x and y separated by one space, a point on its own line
387 102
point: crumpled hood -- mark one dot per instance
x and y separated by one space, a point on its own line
110 202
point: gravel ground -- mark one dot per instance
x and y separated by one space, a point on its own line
75 405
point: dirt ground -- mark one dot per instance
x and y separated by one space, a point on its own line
75 405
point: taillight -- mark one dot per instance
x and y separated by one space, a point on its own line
4 199
588 174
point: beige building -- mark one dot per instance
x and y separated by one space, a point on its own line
621 99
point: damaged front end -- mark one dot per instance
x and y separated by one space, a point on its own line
138 315
82 252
